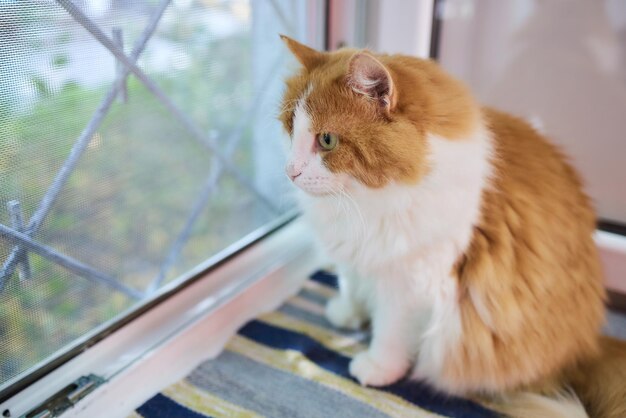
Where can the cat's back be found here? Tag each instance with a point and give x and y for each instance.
(531, 284)
(535, 172)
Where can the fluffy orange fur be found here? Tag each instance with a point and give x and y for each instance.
(601, 380)
(531, 288)
(377, 150)
(531, 285)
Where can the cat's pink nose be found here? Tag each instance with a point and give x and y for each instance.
(293, 170)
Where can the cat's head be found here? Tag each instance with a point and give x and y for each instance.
(359, 120)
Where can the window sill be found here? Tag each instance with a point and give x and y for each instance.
(166, 343)
(612, 248)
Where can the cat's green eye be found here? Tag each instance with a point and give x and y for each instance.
(327, 140)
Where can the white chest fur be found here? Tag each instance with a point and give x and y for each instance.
(402, 240)
(378, 230)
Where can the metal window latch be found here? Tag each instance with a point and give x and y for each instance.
(66, 398)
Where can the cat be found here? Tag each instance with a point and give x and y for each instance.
(460, 233)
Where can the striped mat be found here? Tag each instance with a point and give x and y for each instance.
(292, 363)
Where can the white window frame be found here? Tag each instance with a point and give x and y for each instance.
(192, 323)
(164, 344)
(360, 23)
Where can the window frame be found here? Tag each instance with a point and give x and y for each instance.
(45, 367)
(254, 279)
(43, 379)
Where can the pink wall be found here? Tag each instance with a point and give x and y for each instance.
(561, 64)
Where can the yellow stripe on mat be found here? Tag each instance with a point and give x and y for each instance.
(134, 414)
(343, 344)
(203, 402)
(306, 305)
(296, 363)
(320, 289)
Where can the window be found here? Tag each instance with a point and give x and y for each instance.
(138, 145)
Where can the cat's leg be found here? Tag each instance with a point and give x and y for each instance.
(347, 309)
(388, 357)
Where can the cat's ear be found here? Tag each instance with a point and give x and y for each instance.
(308, 57)
(369, 77)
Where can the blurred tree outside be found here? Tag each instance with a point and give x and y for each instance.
(131, 193)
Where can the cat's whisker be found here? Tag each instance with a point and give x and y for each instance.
(341, 203)
(363, 229)
(333, 195)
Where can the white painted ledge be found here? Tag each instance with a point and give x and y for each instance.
(613, 255)
(166, 343)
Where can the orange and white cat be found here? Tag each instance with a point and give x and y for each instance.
(460, 233)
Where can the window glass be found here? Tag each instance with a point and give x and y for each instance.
(137, 140)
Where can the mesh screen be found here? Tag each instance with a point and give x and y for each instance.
(98, 171)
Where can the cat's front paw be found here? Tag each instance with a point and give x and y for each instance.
(370, 372)
(342, 314)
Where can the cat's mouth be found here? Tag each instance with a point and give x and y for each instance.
(313, 187)
(315, 191)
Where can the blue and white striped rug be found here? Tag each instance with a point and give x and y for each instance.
(293, 363)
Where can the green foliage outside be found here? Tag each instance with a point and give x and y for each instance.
(130, 194)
